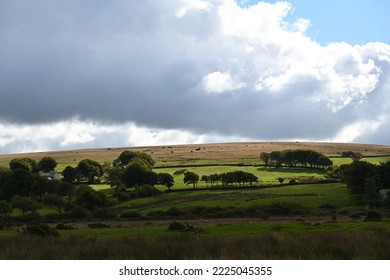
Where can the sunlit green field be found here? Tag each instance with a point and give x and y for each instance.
(311, 196)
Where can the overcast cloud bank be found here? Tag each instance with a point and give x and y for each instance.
(99, 74)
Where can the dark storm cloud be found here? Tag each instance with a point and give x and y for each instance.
(148, 63)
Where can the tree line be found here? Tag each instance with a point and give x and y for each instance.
(296, 158)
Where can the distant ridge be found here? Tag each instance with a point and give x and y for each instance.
(224, 152)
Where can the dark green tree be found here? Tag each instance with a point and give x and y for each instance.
(71, 174)
(5, 207)
(26, 164)
(47, 164)
(166, 179)
(90, 169)
(137, 174)
(355, 176)
(25, 204)
(17, 182)
(384, 174)
(89, 198)
(265, 157)
(206, 179)
(191, 178)
(355, 156)
(55, 201)
(126, 157)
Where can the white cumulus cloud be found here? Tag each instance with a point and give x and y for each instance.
(82, 73)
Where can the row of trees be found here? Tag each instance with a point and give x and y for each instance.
(46, 164)
(293, 158)
(28, 191)
(234, 178)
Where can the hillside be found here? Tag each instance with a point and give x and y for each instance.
(246, 152)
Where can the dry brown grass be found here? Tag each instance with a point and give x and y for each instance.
(203, 153)
(332, 245)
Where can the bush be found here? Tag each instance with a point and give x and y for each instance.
(64, 227)
(41, 230)
(6, 222)
(29, 218)
(79, 212)
(173, 211)
(134, 215)
(157, 214)
(176, 226)
(373, 216)
(292, 182)
(147, 191)
(286, 209)
(186, 228)
(124, 196)
(98, 225)
(179, 172)
(104, 213)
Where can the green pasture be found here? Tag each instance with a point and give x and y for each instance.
(310, 196)
(267, 176)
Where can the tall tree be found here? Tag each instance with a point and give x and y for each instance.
(71, 174)
(191, 178)
(90, 169)
(137, 174)
(355, 175)
(27, 164)
(47, 164)
(265, 157)
(166, 179)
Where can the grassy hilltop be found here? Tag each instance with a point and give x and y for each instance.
(167, 155)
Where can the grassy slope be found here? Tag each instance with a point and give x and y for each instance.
(202, 153)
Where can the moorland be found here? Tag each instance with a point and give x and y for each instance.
(255, 200)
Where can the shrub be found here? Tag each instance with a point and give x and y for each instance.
(147, 191)
(292, 182)
(327, 206)
(131, 215)
(98, 225)
(64, 227)
(29, 218)
(173, 211)
(79, 212)
(285, 209)
(41, 230)
(104, 213)
(373, 216)
(176, 226)
(124, 196)
(179, 172)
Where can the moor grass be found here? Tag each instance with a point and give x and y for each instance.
(217, 153)
(336, 245)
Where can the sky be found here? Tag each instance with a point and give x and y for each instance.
(84, 74)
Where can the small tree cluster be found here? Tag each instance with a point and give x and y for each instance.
(234, 178)
(294, 158)
(132, 169)
(46, 164)
(86, 170)
(366, 179)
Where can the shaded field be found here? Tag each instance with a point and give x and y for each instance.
(372, 243)
(219, 153)
(310, 196)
